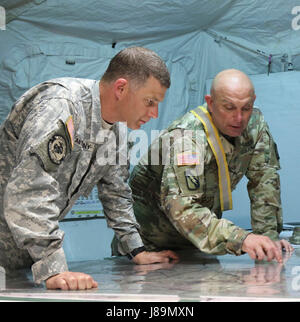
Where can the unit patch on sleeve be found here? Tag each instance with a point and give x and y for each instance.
(57, 149)
(192, 181)
(52, 149)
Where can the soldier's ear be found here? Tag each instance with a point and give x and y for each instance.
(120, 88)
(208, 100)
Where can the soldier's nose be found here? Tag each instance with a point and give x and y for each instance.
(154, 112)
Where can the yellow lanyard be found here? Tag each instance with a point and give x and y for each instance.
(215, 143)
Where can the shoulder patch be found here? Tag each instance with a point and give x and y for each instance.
(53, 148)
(57, 149)
(192, 181)
(188, 158)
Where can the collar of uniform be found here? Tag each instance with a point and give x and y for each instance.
(96, 119)
(227, 146)
(105, 125)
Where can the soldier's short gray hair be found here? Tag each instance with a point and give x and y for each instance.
(137, 64)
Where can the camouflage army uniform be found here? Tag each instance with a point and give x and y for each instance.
(54, 149)
(177, 204)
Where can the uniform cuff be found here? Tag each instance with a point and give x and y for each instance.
(129, 243)
(51, 265)
(136, 252)
(235, 241)
(272, 234)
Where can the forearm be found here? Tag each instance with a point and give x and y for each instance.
(32, 215)
(264, 186)
(115, 196)
(202, 227)
(266, 210)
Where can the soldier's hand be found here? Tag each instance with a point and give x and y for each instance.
(258, 247)
(155, 257)
(71, 281)
(285, 244)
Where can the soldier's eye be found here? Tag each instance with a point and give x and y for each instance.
(247, 108)
(149, 102)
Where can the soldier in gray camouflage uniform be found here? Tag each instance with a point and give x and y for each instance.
(56, 145)
(178, 205)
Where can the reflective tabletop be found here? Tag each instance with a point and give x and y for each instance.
(196, 277)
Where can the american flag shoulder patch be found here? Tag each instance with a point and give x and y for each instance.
(70, 127)
(188, 158)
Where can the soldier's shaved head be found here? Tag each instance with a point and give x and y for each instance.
(232, 80)
(231, 101)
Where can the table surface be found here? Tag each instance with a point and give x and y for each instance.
(196, 277)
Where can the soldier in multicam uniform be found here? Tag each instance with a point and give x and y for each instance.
(176, 193)
(54, 148)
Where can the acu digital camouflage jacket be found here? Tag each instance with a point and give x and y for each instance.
(54, 149)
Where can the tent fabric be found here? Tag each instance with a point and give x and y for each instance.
(45, 39)
(202, 37)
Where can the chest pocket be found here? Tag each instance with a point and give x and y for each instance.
(238, 167)
(211, 178)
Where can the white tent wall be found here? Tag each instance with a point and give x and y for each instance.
(45, 39)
